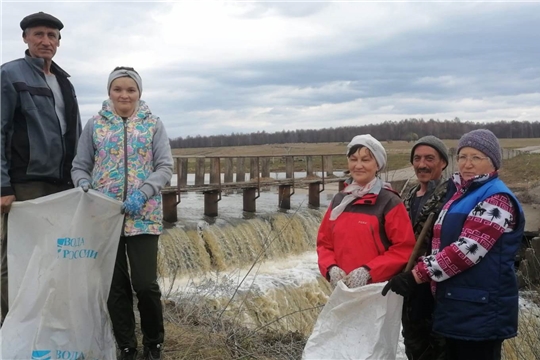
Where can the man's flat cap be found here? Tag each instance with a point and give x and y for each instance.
(41, 19)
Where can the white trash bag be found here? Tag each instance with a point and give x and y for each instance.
(61, 254)
(358, 324)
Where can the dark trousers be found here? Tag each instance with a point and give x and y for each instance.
(24, 191)
(141, 250)
(419, 340)
(473, 350)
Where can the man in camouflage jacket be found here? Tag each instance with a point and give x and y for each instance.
(429, 158)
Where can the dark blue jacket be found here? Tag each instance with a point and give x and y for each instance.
(480, 303)
(32, 145)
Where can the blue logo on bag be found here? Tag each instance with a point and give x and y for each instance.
(72, 248)
(41, 355)
(60, 354)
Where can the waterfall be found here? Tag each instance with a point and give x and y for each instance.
(267, 265)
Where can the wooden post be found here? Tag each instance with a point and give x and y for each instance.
(211, 203)
(329, 166)
(182, 168)
(215, 172)
(228, 164)
(284, 197)
(309, 165)
(249, 199)
(341, 185)
(169, 203)
(240, 172)
(253, 171)
(199, 171)
(265, 167)
(314, 194)
(289, 167)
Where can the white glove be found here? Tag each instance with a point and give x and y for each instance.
(357, 277)
(336, 274)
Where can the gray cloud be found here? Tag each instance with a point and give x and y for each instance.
(273, 66)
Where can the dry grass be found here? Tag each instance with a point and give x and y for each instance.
(522, 170)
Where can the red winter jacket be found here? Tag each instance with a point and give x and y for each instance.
(374, 231)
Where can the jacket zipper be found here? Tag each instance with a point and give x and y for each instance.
(125, 161)
(61, 169)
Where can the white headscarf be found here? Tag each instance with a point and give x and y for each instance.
(355, 191)
(373, 145)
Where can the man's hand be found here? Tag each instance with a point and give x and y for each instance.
(357, 278)
(6, 203)
(402, 284)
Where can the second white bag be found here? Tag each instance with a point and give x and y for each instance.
(358, 324)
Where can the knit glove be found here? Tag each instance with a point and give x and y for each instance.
(402, 284)
(134, 203)
(336, 274)
(85, 185)
(357, 278)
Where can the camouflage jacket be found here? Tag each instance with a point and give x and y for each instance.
(436, 198)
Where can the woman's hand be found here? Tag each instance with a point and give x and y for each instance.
(134, 203)
(357, 278)
(336, 273)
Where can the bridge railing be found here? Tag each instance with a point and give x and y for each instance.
(229, 172)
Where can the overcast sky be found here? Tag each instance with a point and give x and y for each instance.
(220, 67)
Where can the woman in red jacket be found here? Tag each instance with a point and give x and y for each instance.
(366, 235)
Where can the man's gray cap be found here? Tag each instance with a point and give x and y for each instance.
(433, 142)
(41, 19)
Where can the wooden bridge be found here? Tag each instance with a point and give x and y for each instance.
(233, 171)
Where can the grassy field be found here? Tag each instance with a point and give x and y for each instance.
(393, 147)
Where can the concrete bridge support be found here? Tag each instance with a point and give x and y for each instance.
(313, 196)
(171, 198)
(250, 205)
(284, 197)
(211, 199)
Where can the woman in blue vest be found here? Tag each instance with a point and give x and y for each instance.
(471, 266)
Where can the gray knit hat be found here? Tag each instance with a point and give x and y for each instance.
(125, 72)
(485, 141)
(433, 142)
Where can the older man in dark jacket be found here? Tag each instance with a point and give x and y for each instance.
(40, 124)
(429, 158)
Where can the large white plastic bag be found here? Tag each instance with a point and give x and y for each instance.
(61, 254)
(358, 324)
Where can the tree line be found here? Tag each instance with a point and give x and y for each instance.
(408, 129)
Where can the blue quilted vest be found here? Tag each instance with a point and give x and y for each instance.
(480, 303)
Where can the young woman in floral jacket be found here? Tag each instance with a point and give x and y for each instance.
(124, 152)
